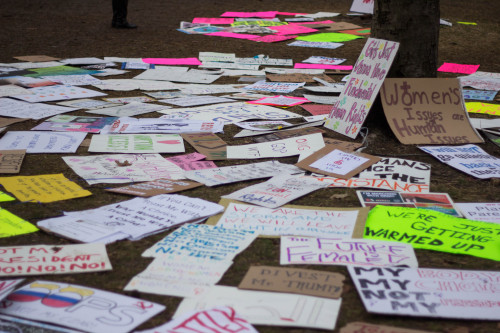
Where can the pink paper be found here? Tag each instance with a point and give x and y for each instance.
(172, 61)
(191, 162)
(232, 34)
(292, 29)
(458, 68)
(274, 38)
(317, 109)
(323, 66)
(213, 20)
(270, 14)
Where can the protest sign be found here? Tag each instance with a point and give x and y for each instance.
(129, 125)
(467, 158)
(42, 142)
(263, 125)
(65, 123)
(137, 143)
(457, 68)
(293, 280)
(280, 101)
(359, 327)
(6, 286)
(350, 111)
(43, 188)
(57, 93)
(222, 319)
(279, 308)
(12, 225)
(87, 103)
(428, 292)
(123, 168)
(277, 87)
(128, 110)
(298, 77)
(230, 112)
(292, 220)
(24, 325)
(395, 174)
(427, 111)
(53, 259)
(155, 187)
(235, 173)
(277, 191)
(429, 230)
(362, 6)
(73, 80)
(84, 308)
(196, 100)
(321, 45)
(439, 202)
(287, 132)
(485, 108)
(478, 211)
(19, 109)
(328, 37)
(482, 95)
(191, 162)
(11, 160)
(344, 251)
(208, 144)
(265, 60)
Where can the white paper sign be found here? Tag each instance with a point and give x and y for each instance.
(350, 111)
(57, 93)
(123, 168)
(196, 100)
(362, 6)
(289, 221)
(277, 191)
(84, 308)
(6, 286)
(129, 110)
(301, 145)
(132, 84)
(467, 158)
(324, 60)
(19, 109)
(162, 125)
(42, 141)
(342, 251)
(479, 211)
(277, 87)
(236, 173)
(268, 308)
(137, 143)
(73, 80)
(12, 89)
(428, 292)
(339, 162)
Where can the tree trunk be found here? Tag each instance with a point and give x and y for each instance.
(415, 25)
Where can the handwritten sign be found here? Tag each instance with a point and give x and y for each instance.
(208, 144)
(83, 308)
(292, 220)
(42, 142)
(277, 87)
(341, 251)
(428, 292)
(427, 111)
(137, 143)
(350, 111)
(6, 286)
(12, 225)
(11, 160)
(485, 108)
(53, 259)
(429, 230)
(478, 211)
(293, 280)
(155, 187)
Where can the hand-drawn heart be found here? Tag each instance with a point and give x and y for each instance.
(170, 142)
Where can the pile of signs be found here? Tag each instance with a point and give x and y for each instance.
(376, 242)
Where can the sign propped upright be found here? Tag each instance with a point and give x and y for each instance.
(351, 109)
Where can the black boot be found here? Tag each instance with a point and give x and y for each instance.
(120, 15)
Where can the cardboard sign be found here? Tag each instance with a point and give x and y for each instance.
(358, 327)
(427, 111)
(428, 292)
(429, 230)
(11, 160)
(332, 161)
(54, 259)
(350, 111)
(344, 251)
(155, 187)
(137, 143)
(208, 144)
(293, 280)
(83, 308)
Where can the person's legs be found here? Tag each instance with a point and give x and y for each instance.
(120, 15)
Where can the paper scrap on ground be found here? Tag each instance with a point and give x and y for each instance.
(467, 158)
(54, 259)
(288, 132)
(137, 143)
(429, 230)
(395, 174)
(421, 292)
(65, 123)
(324, 60)
(344, 251)
(350, 111)
(128, 125)
(277, 87)
(302, 145)
(155, 187)
(362, 6)
(221, 319)
(427, 111)
(11, 160)
(12, 225)
(57, 93)
(478, 211)
(486, 108)
(129, 110)
(123, 168)
(87, 103)
(321, 45)
(458, 68)
(6, 287)
(328, 37)
(236, 173)
(203, 241)
(277, 191)
(73, 80)
(65, 304)
(208, 144)
(196, 100)
(293, 220)
(279, 308)
(230, 113)
(293, 280)
(42, 142)
(439, 202)
(19, 109)
(481, 95)
(323, 66)
(43, 188)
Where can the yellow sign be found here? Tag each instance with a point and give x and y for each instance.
(487, 108)
(12, 225)
(43, 188)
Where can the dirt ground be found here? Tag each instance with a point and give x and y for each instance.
(82, 28)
